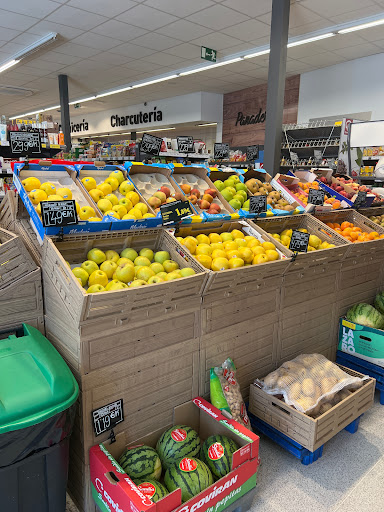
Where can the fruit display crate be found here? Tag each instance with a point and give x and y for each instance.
(15, 262)
(8, 210)
(374, 211)
(24, 230)
(309, 432)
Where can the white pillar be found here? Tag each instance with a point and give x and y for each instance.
(219, 132)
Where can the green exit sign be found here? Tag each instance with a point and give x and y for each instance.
(208, 54)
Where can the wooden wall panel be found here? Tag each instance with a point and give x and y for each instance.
(250, 101)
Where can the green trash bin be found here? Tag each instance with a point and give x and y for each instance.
(37, 409)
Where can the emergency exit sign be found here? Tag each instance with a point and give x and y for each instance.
(208, 54)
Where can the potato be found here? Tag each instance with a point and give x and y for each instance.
(309, 387)
(271, 379)
(294, 391)
(327, 384)
(305, 403)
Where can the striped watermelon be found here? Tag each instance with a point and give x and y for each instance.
(141, 462)
(177, 442)
(217, 453)
(379, 302)
(191, 475)
(153, 489)
(365, 314)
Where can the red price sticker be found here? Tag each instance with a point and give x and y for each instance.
(179, 435)
(215, 451)
(147, 488)
(188, 464)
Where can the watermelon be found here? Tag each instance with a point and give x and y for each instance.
(367, 315)
(191, 475)
(216, 453)
(177, 442)
(379, 302)
(141, 462)
(153, 489)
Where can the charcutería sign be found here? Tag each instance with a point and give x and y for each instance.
(140, 118)
(253, 119)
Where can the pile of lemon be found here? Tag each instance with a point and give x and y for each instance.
(222, 251)
(128, 207)
(314, 243)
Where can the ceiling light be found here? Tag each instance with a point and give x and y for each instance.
(82, 101)
(207, 124)
(52, 108)
(158, 130)
(32, 48)
(212, 66)
(361, 27)
(155, 81)
(252, 55)
(113, 92)
(310, 39)
(8, 65)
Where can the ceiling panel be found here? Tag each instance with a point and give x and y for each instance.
(250, 7)
(112, 7)
(146, 17)
(216, 40)
(248, 30)
(217, 17)
(156, 41)
(44, 27)
(362, 50)
(96, 41)
(184, 30)
(132, 50)
(76, 18)
(36, 8)
(117, 29)
(14, 21)
(334, 8)
(181, 8)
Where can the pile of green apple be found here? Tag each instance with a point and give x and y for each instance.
(110, 270)
(233, 191)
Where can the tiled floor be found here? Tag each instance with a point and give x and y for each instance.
(348, 478)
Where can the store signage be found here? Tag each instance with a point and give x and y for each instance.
(316, 197)
(107, 417)
(150, 144)
(252, 119)
(221, 151)
(28, 143)
(360, 199)
(252, 153)
(140, 118)
(58, 213)
(175, 211)
(299, 241)
(185, 144)
(208, 54)
(257, 204)
(79, 127)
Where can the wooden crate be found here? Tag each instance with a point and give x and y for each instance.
(24, 230)
(8, 208)
(15, 262)
(311, 433)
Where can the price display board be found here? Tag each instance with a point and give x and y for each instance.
(299, 241)
(185, 144)
(25, 143)
(360, 199)
(257, 204)
(107, 417)
(221, 151)
(252, 153)
(58, 213)
(150, 144)
(175, 211)
(316, 197)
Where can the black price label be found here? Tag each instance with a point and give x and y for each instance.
(316, 197)
(150, 144)
(28, 143)
(107, 417)
(257, 204)
(360, 200)
(58, 213)
(299, 241)
(185, 144)
(175, 211)
(252, 153)
(221, 151)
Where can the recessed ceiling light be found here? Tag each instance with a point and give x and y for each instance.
(361, 27)
(207, 124)
(310, 39)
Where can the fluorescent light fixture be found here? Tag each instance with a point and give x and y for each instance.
(34, 47)
(9, 64)
(311, 39)
(207, 124)
(155, 81)
(82, 100)
(117, 91)
(212, 66)
(361, 27)
(257, 54)
(158, 130)
(52, 108)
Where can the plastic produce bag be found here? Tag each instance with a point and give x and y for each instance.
(310, 383)
(225, 392)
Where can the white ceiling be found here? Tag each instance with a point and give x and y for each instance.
(107, 43)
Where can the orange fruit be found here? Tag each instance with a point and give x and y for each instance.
(345, 225)
(330, 225)
(347, 231)
(354, 235)
(336, 205)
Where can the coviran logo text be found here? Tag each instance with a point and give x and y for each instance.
(253, 119)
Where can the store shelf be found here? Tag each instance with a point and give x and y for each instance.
(176, 154)
(46, 152)
(372, 157)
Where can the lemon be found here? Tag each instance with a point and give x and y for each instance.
(233, 254)
(285, 240)
(218, 253)
(235, 263)
(214, 238)
(204, 260)
(258, 250)
(225, 237)
(253, 243)
(260, 258)
(31, 183)
(268, 246)
(190, 244)
(241, 242)
(204, 249)
(286, 232)
(236, 233)
(272, 255)
(219, 264)
(230, 246)
(203, 239)
(246, 254)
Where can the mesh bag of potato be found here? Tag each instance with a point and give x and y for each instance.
(310, 383)
(225, 392)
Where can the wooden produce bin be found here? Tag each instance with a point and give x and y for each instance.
(8, 208)
(15, 261)
(309, 432)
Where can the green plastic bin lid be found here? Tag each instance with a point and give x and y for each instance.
(35, 382)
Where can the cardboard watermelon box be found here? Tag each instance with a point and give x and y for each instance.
(112, 489)
(360, 341)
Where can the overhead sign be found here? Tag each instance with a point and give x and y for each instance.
(299, 241)
(107, 417)
(150, 144)
(252, 153)
(175, 211)
(257, 204)
(221, 151)
(208, 54)
(58, 213)
(316, 197)
(25, 143)
(185, 144)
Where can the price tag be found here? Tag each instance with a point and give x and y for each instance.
(257, 204)
(221, 151)
(316, 197)
(175, 211)
(150, 144)
(58, 213)
(299, 241)
(360, 199)
(185, 144)
(28, 143)
(252, 153)
(107, 417)
(294, 158)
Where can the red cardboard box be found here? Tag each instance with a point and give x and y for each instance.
(112, 489)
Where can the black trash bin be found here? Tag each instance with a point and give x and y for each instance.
(37, 408)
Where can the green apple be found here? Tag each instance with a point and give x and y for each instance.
(96, 288)
(142, 261)
(145, 273)
(125, 187)
(112, 256)
(147, 253)
(170, 266)
(161, 256)
(235, 203)
(229, 182)
(157, 267)
(131, 254)
(82, 274)
(235, 178)
(112, 198)
(187, 271)
(219, 185)
(241, 186)
(124, 273)
(163, 275)
(137, 282)
(108, 267)
(118, 175)
(227, 194)
(115, 284)
(96, 255)
(155, 280)
(127, 203)
(89, 266)
(173, 275)
(242, 193)
(98, 277)
(239, 198)
(120, 261)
